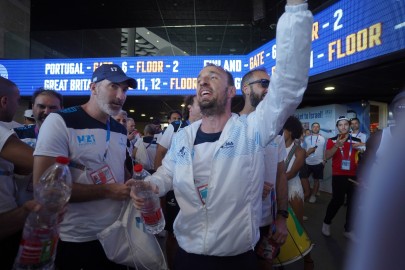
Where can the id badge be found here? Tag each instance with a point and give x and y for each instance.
(203, 191)
(346, 164)
(102, 176)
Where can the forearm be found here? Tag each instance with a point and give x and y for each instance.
(84, 193)
(282, 190)
(331, 152)
(160, 154)
(18, 153)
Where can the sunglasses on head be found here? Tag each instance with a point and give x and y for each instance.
(263, 82)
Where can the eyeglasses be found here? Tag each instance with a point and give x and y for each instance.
(263, 82)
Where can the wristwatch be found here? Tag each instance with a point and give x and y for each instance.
(283, 213)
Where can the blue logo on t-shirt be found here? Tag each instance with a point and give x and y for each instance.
(86, 139)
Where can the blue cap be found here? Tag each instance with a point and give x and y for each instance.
(113, 73)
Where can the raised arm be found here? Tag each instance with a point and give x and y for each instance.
(289, 81)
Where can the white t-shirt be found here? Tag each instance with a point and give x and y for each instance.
(166, 139)
(73, 133)
(7, 186)
(363, 138)
(318, 156)
(274, 153)
(151, 146)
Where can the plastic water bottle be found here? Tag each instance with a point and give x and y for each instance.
(55, 186)
(41, 230)
(151, 212)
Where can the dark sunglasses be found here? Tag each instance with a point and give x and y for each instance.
(263, 82)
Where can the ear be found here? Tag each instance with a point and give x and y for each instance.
(93, 88)
(246, 90)
(3, 101)
(231, 91)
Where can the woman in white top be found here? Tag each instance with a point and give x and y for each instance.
(293, 162)
(295, 159)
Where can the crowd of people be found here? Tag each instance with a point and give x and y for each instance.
(227, 179)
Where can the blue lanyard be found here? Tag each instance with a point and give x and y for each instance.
(107, 139)
(350, 151)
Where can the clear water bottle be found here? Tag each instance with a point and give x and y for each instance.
(39, 240)
(55, 186)
(151, 212)
(41, 230)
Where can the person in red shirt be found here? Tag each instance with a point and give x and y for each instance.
(344, 165)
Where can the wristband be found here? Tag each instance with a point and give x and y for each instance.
(283, 213)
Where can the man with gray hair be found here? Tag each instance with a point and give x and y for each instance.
(96, 145)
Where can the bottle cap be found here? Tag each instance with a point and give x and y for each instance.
(62, 160)
(138, 167)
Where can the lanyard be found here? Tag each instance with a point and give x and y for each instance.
(317, 137)
(358, 133)
(36, 130)
(107, 139)
(350, 151)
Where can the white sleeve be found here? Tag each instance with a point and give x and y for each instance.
(53, 137)
(140, 140)
(166, 139)
(289, 81)
(282, 152)
(5, 133)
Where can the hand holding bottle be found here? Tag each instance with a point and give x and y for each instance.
(145, 198)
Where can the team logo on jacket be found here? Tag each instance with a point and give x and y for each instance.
(227, 145)
(182, 151)
(86, 139)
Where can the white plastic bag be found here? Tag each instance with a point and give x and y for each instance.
(142, 156)
(126, 242)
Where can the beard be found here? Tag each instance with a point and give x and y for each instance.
(255, 99)
(105, 106)
(213, 107)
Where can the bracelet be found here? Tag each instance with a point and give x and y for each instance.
(283, 213)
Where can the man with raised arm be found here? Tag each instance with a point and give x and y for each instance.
(216, 165)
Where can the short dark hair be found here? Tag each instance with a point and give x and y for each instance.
(315, 123)
(248, 76)
(149, 129)
(293, 124)
(188, 101)
(172, 112)
(354, 118)
(47, 92)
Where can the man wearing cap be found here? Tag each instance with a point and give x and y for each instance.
(96, 146)
(344, 165)
(29, 118)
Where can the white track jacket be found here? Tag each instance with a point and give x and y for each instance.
(228, 224)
